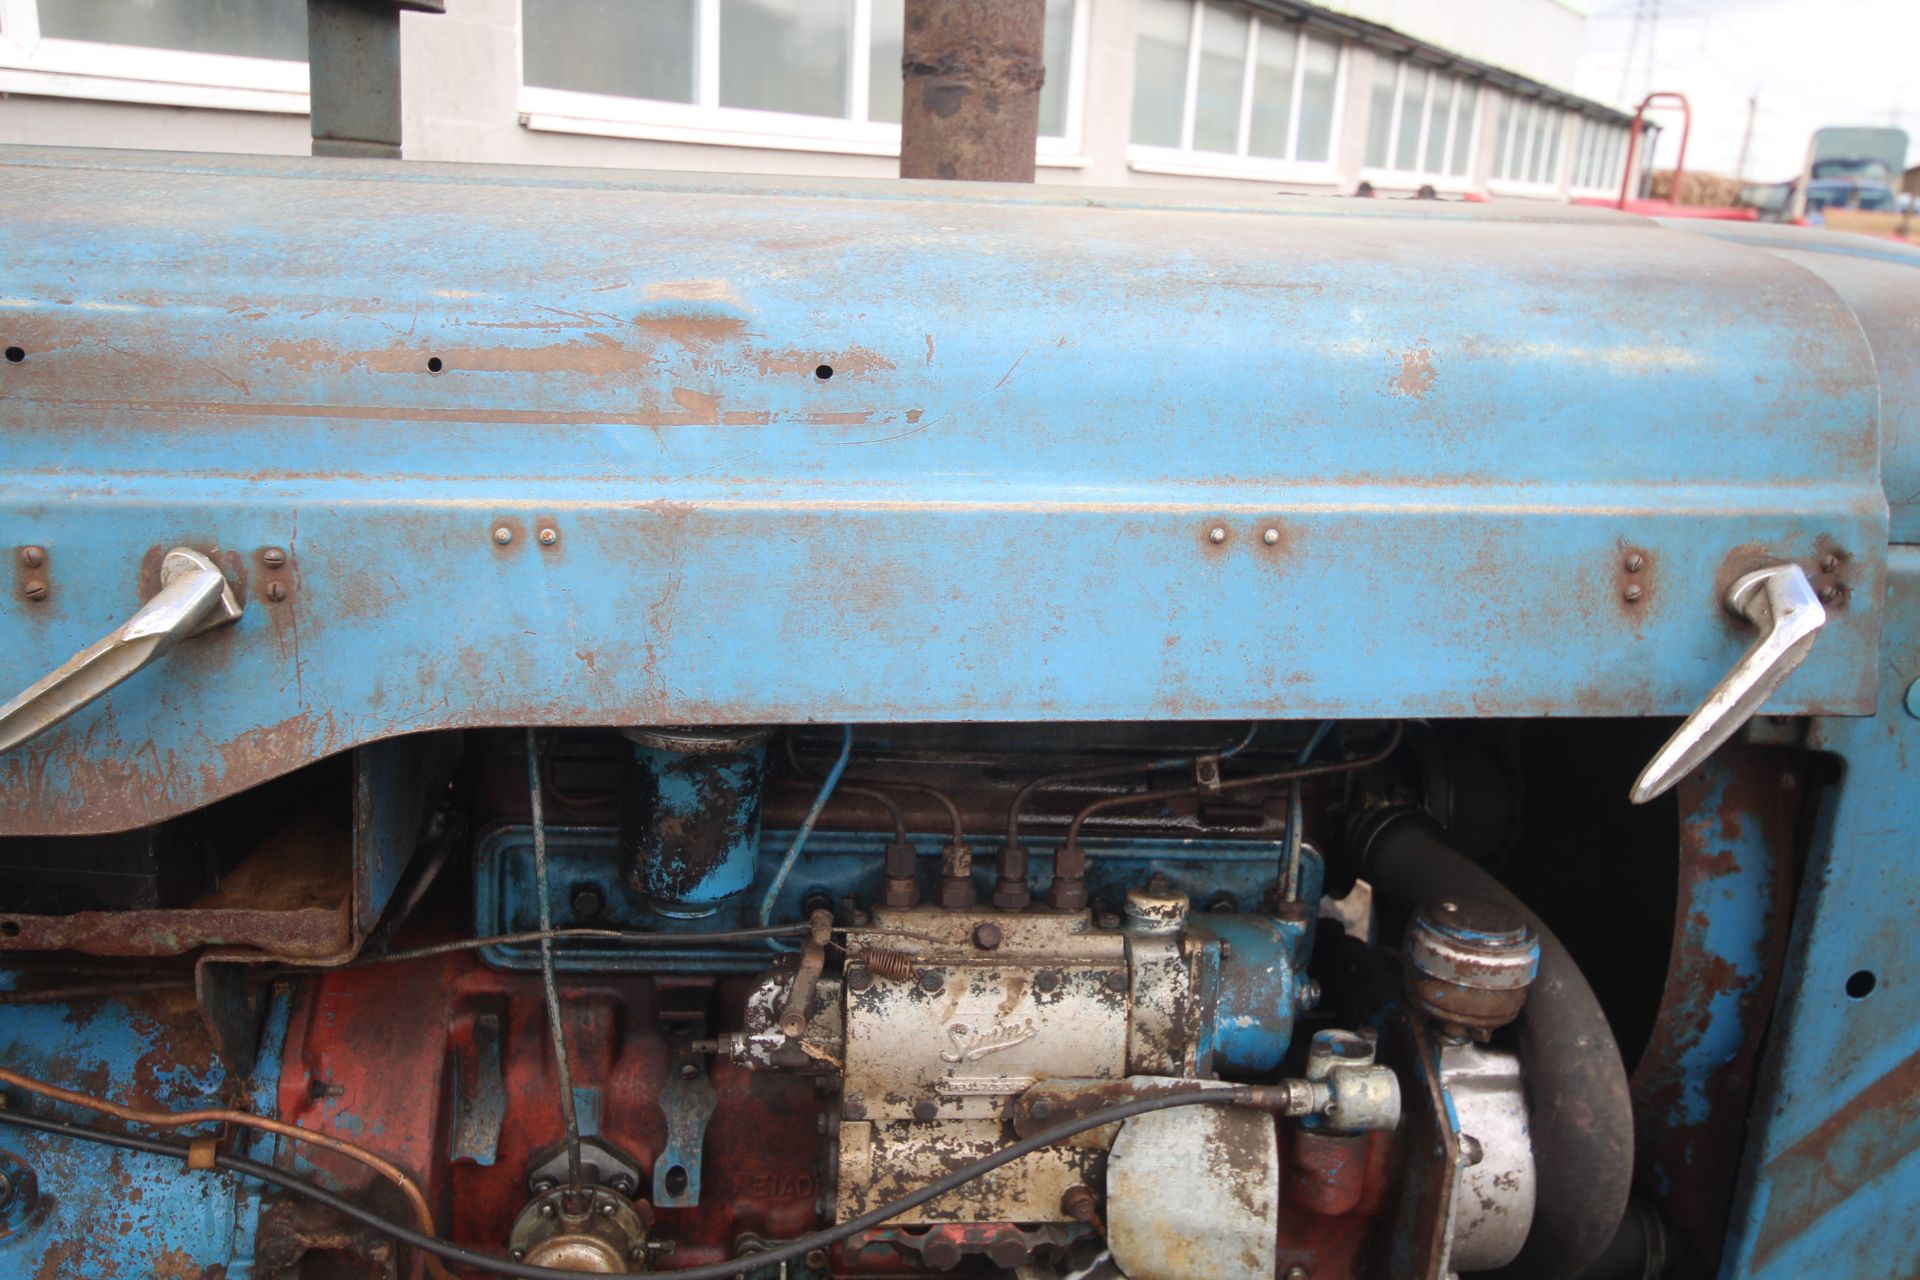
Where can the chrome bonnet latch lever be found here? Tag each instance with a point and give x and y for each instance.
(1781, 603)
(194, 596)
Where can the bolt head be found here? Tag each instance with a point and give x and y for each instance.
(623, 1184)
(33, 557)
(1046, 980)
(35, 590)
(926, 1111)
(816, 1258)
(1116, 981)
(1829, 563)
(273, 557)
(549, 536)
(503, 535)
(608, 1208)
(543, 1186)
(986, 935)
(1270, 537)
(688, 1071)
(276, 591)
(1217, 534)
(519, 1255)
(1636, 562)
(1041, 1110)
(859, 979)
(1632, 593)
(931, 981)
(547, 1211)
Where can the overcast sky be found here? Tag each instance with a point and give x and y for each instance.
(1810, 63)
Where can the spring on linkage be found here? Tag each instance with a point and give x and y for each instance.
(894, 966)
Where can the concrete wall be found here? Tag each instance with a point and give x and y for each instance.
(462, 102)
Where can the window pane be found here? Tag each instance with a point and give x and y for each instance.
(1437, 117)
(1464, 120)
(1538, 144)
(629, 48)
(1223, 59)
(883, 68)
(1502, 136)
(1380, 111)
(784, 55)
(248, 28)
(1057, 54)
(1413, 101)
(1272, 91)
(1160, 71)
(1556, 125)
(1316, 100)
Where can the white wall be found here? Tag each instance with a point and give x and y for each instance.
(1539, 39)
(462, 102)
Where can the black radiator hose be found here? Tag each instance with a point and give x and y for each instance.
(1582, 1118)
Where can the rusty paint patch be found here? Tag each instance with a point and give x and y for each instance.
(1869, 1134)
(1417, 374)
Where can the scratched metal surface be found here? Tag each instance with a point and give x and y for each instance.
(1457, 422)
(1832, 1179)
(1876, 278)
(103, 1214)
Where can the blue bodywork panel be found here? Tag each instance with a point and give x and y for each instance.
(851, 452)
(95, 1211)
(1832, 1180)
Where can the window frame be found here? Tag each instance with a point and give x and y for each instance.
(704, 121)
(97, 70)
(1187, 161)
(1392, 178)
(1612, 137)
(1555, 184)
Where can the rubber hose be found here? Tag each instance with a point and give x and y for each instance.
(1582, 1118)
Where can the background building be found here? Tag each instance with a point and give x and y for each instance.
(1465, 96)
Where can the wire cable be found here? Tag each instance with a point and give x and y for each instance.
(245, 1119)
(806, 826)
(563, 1070)
(785, 1252)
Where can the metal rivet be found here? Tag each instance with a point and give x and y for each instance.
(1270, 537)
(547, 1211)
(689, 1072)
(1913, 699)
(931, 981)
(1046, 980)
(986, 935)
(859, 979)
(35, 590)
(276, 591)
(503, 535)
(926, 1111)
(273, 557)
(33, 557)
(1041, 1109)
(817, 1259)
(1217, 534)
(549, 536)
(608, 1208)
(1632, 593)
(1116, 981)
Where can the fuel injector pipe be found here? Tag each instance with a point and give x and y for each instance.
(1582, 1118)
